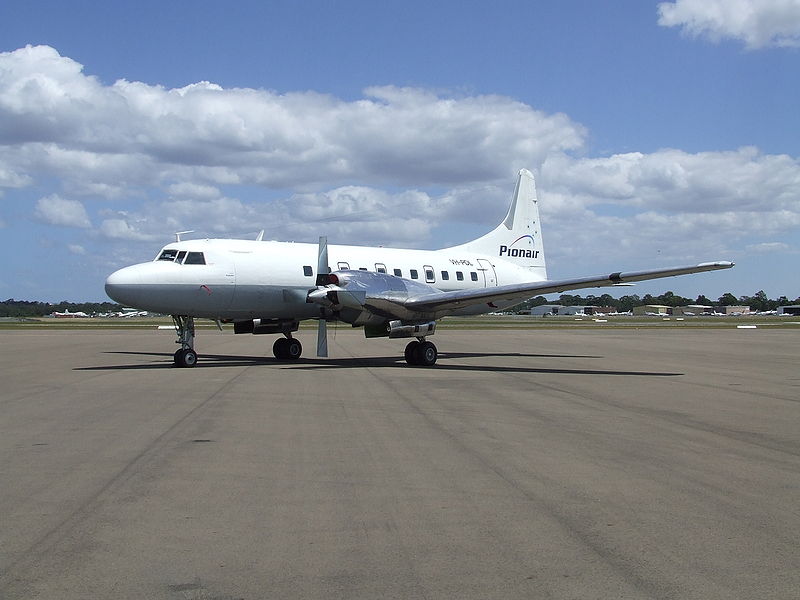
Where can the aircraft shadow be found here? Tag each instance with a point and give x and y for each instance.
(442, 365)
(221, 360)
(207, 360)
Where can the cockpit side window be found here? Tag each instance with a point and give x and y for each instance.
(195, 258)
(181, 254)
(168, 254)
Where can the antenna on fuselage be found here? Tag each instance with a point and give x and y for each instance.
(178, 234)
(260, 236)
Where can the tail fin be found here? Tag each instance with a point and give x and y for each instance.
(518, 238)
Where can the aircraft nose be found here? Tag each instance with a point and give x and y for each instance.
(121, 285)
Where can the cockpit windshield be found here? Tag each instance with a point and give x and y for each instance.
(168, 254)
(182, 257)
(195, 258)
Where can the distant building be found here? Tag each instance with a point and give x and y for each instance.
(546, 310)
(586, 310)
(651, 309)
(577, 310)
(734, 310)
(794, 309)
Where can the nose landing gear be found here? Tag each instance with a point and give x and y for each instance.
(185, 356)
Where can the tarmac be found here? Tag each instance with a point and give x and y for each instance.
(605, 463)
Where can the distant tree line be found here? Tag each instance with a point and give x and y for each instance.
(759, 301)
(25, 308)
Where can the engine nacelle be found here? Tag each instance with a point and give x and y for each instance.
(398, 329)
(264, 326)
(371, 299)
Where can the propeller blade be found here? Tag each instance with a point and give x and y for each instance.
(322, 257)
(322, 338)
(322, 269)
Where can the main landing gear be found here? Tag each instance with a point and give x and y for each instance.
(421, 353)
(185, 356)
(287, 348)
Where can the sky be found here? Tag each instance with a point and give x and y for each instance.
(660, 133)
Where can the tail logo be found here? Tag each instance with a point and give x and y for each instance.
(522, 237)
(519, 252)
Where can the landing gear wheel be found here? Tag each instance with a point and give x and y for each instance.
(279, 348)
(426, 354)
(422, 354)
(293, 349)
(410, 352)
(287, 349)
(185, 357)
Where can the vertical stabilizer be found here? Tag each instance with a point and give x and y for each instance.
(518, 238)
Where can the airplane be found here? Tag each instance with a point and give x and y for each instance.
(268, 287)
(70, 315)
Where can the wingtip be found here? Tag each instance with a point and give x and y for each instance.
(718, 264)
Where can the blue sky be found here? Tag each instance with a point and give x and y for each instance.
(660, 133)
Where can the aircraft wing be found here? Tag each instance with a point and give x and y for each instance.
(446, 301)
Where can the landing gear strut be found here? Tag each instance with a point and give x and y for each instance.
(421, 353)
(287, 348)
(185, 356)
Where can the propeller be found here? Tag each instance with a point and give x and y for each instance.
(322, 268)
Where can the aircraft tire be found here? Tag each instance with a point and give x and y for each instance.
(411, 352)
(279, 348)
(186, 358)
(293, 349)
(426, 354)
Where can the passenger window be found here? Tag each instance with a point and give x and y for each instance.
(459, 276)
(362, 268)
(308, 271)
(343, 266)
(168, 254)
(473, 275)
(414, 274)
(398, 273)
(380, 268)
(445, 276)
(430, 276)
(195, 258)
(181, 254)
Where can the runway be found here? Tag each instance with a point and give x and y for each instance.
(525, 464)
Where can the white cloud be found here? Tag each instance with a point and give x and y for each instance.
(193, 190)
(768, 247)
(76, 249)
(12, 179)
(758, 23)
(121, 229)
(670, 202)
(690, 205)
(369, 215)
(56, 210)
(675, 180)
(107, 139)
(169, 160)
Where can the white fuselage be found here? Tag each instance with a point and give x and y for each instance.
(244, 279)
